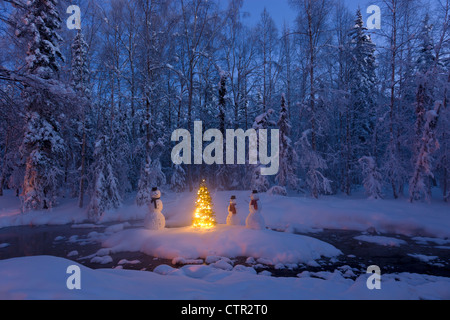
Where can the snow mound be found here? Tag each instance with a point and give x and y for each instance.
(383, 241)
(224, 241)
(422, 257)
(102, 260)
(73, 253)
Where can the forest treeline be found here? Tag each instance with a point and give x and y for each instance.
(89, 113)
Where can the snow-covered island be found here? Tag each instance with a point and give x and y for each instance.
(197, 150)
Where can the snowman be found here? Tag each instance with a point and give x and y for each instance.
(155, 220)
(233, 219)
(255, 220)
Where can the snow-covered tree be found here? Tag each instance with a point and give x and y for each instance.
(145, 185)
(362, 81)
(423, 170)
(39, 28)
(222, 100)
(424, 78)
(373, 180)
(427, 56)
(80, 66)
(42, 143)
(178, 179)
(313, 164)
(105, 194)
(359, 115)
(258, 181)
(151, 176)
(277, 190)
(80, 83)
(287, 176)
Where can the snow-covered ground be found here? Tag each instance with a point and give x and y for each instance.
(45, 278)
(383, 241)
(301, 214)
(212, 271)
(224, 241)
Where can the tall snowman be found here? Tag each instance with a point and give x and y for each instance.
(233, 218)
(255, 220)
(155, 220)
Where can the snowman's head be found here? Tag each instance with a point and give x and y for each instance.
(254, 195)
(156, 194)
(233, 200)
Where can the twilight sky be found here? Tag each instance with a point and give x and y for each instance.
(281, 11)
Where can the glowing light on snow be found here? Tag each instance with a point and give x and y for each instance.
(204, 217)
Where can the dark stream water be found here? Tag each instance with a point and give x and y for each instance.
(357, 256)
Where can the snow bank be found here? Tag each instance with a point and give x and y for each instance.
(290, 214)
(224, 241)
(347, 213)
(45, 278)
(383, 241)
(303, 214)
(423, 258)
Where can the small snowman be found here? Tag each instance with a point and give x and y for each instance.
(233, 219)
(155, 220)
(255, 220)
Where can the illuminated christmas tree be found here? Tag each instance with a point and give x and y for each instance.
(204, 216)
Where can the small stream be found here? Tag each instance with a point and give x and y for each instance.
(59, 241)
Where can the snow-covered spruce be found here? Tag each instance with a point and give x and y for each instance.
(373, 181)
(105, 193)
(287, 176)
(313, 164)
(151, 176)
(43, 146)
(418, 186)
(41, 22)
(178, 179)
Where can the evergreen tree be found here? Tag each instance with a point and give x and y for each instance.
(42, 144)
(80, 83)
(80, 67)
(143, 197)
(423, 170)
(360, 116)
(288, 156)
(105, 193)
(40, 26)
(313, 164)
(372, 177)
(204, 216)
(151, 176)
(258, 181)
(222, 100)
(424, 79)
(178, 180)
(427, 57)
